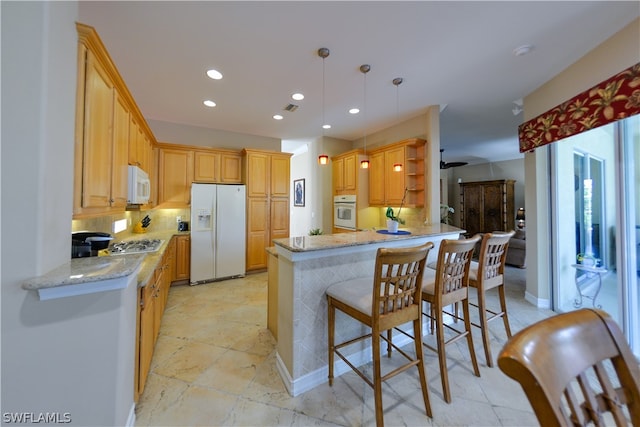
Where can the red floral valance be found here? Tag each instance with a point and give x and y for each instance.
(614, 99)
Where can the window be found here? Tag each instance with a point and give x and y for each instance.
(596, 217)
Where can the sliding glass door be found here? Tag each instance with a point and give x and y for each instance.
(596, 232)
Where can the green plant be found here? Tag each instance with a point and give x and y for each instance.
(389, 214)
(393, 217)
(315, 232)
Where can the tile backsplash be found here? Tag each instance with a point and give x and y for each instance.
(161, 220)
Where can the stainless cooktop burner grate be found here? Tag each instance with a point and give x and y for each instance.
(135, 246)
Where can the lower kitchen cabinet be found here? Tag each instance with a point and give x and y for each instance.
(183, 259)
(152, 302)
(147, 333)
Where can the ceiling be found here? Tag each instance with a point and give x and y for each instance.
(458, 55)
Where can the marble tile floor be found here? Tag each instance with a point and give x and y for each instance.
(214, 365)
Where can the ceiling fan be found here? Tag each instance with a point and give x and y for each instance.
(444, 165)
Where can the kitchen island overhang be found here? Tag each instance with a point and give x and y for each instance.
(307, 266)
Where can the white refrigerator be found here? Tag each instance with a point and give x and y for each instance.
(218, 228)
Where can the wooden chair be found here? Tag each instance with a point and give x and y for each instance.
(390, 299)
(488, 273)
(576, 368)
(448, 285)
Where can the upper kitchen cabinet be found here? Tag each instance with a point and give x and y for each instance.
(387, 187)
(267, 173)
(206, 166)
(217, 166)
(345, 173)
(175, 177)
(140, 147)
(105, 113)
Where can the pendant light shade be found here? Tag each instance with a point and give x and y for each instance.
(323, 159)
(397, 167)
(364, 69)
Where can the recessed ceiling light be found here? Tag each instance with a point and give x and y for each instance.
(326, 126)
(522, 50)
(209, 103)
(214, 74)
(278, 117)
(354, 111)
(297, 96)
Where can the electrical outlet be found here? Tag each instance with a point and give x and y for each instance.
(178, 218)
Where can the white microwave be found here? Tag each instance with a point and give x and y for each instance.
(139, 186)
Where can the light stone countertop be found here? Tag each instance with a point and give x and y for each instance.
(85, 270)
(80, 271)
(357, 238)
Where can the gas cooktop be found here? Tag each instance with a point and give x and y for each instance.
(135, 246)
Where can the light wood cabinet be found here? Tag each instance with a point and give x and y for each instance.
(217, 167)
(100, 182)
(487, 206)
(181, 165)
(279, 177)
(230, 168)
(345, 172)
(147, 332)
(175, 178)
(258, 168)
(257, 232)
(153, 299)
(386, 186)
(183, 258)
(107, 125)
(206, 166)
(268, 180)
(120, 148)
(140, 147)
(97, 141)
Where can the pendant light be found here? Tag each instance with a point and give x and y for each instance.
(397, 167)
(323, 159)
(364, 69)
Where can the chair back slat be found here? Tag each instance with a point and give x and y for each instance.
(576, 369)
(454, 257)
(493, 253)
(398, 278)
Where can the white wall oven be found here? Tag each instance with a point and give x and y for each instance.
(344, 212)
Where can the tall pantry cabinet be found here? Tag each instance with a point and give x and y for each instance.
(266, 175)
(487, 206)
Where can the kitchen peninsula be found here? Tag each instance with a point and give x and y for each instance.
(307, 266)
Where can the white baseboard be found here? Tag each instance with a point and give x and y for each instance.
(131, 419)
(320, 376)
(538, 302)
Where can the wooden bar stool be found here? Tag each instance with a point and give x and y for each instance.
(576, 369)
(448, 285)
(488, 273)
(390, 299)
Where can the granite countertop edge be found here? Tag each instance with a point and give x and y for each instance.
(357, 238)
(80, 271)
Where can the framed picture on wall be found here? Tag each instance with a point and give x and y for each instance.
(298, 192)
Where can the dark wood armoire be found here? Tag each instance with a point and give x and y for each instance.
(487, 206)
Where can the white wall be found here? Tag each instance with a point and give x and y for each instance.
(39, 373)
